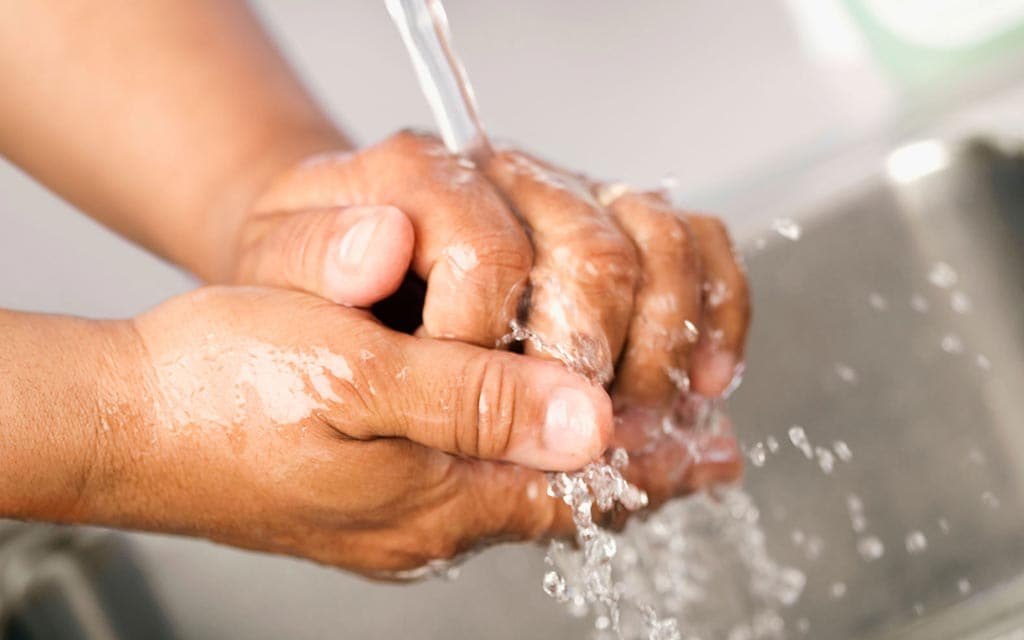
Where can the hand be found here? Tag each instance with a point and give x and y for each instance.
(278, 421)
(617, 275)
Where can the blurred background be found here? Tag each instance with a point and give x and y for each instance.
(756, 110)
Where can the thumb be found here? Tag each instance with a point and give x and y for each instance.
(354, 256)
(494, 405)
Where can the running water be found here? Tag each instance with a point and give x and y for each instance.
(696, 568)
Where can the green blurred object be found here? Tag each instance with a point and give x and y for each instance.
(923, 44)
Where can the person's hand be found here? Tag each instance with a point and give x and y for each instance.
(276, 420)
(614, 275)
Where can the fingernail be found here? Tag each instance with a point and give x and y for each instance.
(570, 424)
(356, 242)
(721, 371)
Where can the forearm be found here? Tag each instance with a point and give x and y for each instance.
(162, 119)
(69, 401)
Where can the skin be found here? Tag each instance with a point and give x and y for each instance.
(180, 126)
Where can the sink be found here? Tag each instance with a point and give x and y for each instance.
(852, 341)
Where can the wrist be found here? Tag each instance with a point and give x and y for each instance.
(66, 407)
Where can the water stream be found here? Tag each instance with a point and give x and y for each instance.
(696, 568)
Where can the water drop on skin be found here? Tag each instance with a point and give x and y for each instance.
(963, 586)
(919, 303)
(983, 362)
(877, 301)
(772, 443)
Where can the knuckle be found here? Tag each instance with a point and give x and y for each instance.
(608, 259)
(503, 248)
(411, 141)
(491, 409)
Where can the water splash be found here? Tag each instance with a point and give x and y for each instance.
(698, 565)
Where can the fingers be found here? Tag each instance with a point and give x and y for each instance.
(468, 246)
(481, 403)
(719, 355)
(667, 310)
(585, 269)
(354, 256)
(471, 250)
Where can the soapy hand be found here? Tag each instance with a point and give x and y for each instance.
(279, 421)
(617, 276)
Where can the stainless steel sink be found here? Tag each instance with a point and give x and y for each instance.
(931, 404)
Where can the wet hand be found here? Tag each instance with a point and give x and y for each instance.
(617, 276)
(276, 420)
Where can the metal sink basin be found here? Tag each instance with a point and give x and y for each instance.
(862, 337)
(854, 342)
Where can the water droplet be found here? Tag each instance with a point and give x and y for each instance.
(877, 301)
(787, 228)
(983, 362)
(960, 303)
(813, 547)
(842, 450)
(772, 443)
(990, 500)
(952, 344)
(619, 458)
(791, 585)
(846, 373)
(803, 625)
(870, 548)
(837, 590)
(943, 525)
(679, 378)
(919, 303)
(554, 585)
(826, 460)
(916, 542)
(798, 437)
(963, 586)
(855, 508)
(757, 455)
(918, 608)
(601, 623)
(942, 275)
